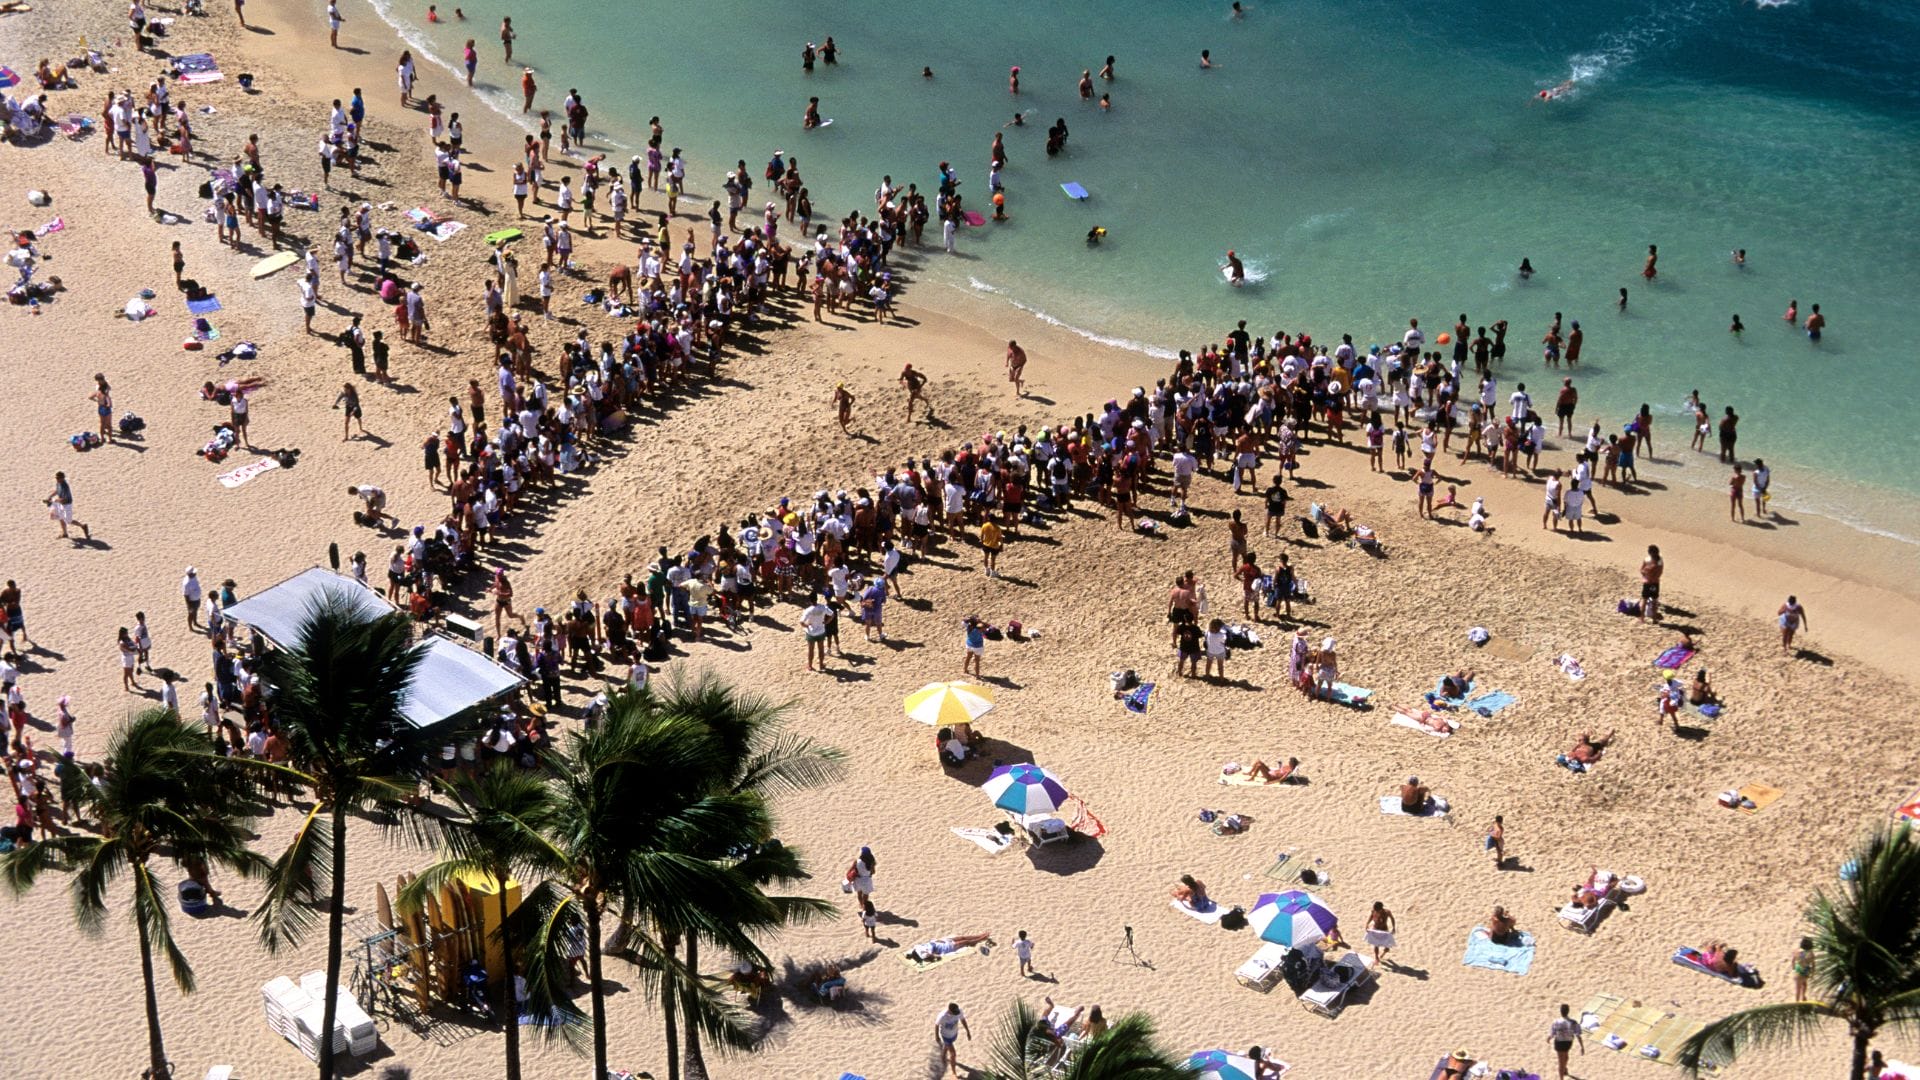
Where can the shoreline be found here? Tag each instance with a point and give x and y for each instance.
(765, 429)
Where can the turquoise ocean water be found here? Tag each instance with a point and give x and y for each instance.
(1369, 160)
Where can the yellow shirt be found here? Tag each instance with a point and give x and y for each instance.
(990, 536)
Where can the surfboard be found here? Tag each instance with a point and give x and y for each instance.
(974, 217)
(827, 123)
(1227, 272)
(274, 263)
(1074, 191)
(501, 236)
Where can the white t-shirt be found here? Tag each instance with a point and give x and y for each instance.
(948, 1023)
(814, 619)
(1023, 948)
(1521, 403)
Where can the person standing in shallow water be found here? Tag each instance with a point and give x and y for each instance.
(1653, 256)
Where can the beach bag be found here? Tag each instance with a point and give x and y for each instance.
(1309, 529)
(1628, 607)
(1234, 919)
(130, 423)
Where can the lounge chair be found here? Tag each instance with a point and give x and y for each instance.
(1328, 995)
(1262, 969)
(1047, 830)
(1587, 919)
(1695, 960)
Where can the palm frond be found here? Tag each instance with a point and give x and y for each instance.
(1724, 1040)
(23, 866)
(790, 763)
(1128, 1050)
(301, 873)
(150, 907)
(94, 877)
(1014, 1051)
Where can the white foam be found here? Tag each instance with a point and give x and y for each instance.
(1128, 344)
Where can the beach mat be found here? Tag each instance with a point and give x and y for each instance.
(1287, 868)
(1674, 658)
(248, 471)
(906, 958)
(1484, 952)
(205, 306)
(1762, 795)
(1241, 779)
(1492, 701)
(1390, 805)
(1354, 697)
(1136, 699)
(1210, 916)
(988, 840)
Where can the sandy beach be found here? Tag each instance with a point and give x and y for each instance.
(1824, 726)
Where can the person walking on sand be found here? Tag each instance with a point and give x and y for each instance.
(1497, 841)
(1379, 933)
(1650, 570)
(1016, 368)
(947, 1027)
(60, 507)
(1793, 619)
(915, 384)
(843, 407)
(1563, 1033)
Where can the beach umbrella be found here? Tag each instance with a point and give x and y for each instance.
(1291, 918)
(943, 703)
(1025, 789)
(1221, 1065)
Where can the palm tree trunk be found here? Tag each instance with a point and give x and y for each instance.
(1857, 1069)
(336, 926)
(157, 1067)
(696, 1066)
(513, 1003)
(593, 991)
(670, 945)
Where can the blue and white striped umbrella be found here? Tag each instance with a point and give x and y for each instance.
(1025, 789)
(1291, 918)
(1221, 1065)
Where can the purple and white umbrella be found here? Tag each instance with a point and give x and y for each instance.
(1025, 789)
(1291, 918)
(1221, 1065)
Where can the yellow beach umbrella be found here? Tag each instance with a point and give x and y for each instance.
(943, 703)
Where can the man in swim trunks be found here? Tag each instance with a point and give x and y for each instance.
(1650, 570)
(1016, 368)
(915, 384)
(947, 1026)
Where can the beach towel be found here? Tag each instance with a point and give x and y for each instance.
(1695, 960)
(447, 230)
(1761, 795)
(1210, 916)
(1410, 718)
(988, 840)
(58, 224)
(1484, 952)
(8, 77)
(198, 77)
(206, 306)
(1239, 778)
(193, 62)
(1350, 696)
(958, 954)
(248, 471)
(1290, 866)
(1909, 810)
(1436, 807)
(1136, 699)
(1456, 702)
(1492, 702)
(1570, 666)
(1674, 658)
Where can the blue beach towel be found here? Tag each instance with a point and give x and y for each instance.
(1453, 702)
(204, 307)
(1483, 952)
(1492, 702)
(1353, 696)
(1136, 699)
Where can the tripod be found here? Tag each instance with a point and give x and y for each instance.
(1126, 946)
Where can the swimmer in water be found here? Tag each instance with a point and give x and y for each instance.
(1238, 12)
(1623, 299)
(1793, 311)
(1019, 120)
(1740, 257)
(1206, 58)
(1236, 271)
(1526, 268)
(1106, 71)
(1094, 234)
(1557, 92)
(1086, 84)
(1106, 102)
(1736, 327)
(926, 73)
(1653, 256)
(812, 118)
(1816, 322)
(433, 13)
(1013, 80)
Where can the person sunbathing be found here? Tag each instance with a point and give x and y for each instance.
(1260, 771)
(827, 983)
(1587, 749)
(1701, 692)
(1193, 893)
(1589, 893)
(1455, 685)
(1055, 1033)
(1415, 798)
(1500, 925)
(929, 951)
(1718, 956)
(1432, 721)
(51, 77)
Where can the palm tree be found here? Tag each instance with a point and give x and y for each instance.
(1866, 946)
(761, 760)
(628, 807)
(495, 828)
(1127, 1050)
(159, 800)
(338, 688)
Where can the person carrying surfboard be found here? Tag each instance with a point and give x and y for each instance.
(1236, 271)
(812, 118)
